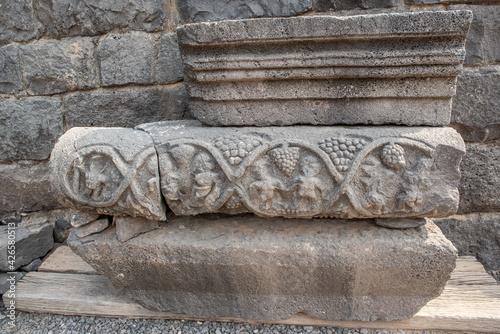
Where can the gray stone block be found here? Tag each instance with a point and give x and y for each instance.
(29, 127)
(26, 187)
(307, 171)
(16, 21)
(396, 68)
(108, 170)
(58, 66)
(32, 266)
(431, 2)
(90, 17)
(480, 183)
(483, 40)
(169, 64)
(81, 218)
(126, 107)
(125, 59)
(92, 228)
(130, 227)
(476, 234)
(364, 4)
(10, 75)
(255, 268)
(476, 107)
(32, 242)
(7, 281)
(214, 10)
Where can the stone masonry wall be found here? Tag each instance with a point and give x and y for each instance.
(66, 63)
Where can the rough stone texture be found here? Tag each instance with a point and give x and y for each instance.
(51, 216)
(476, 107)
(16, 21)
(130, 227)
(125, 107)
(92, 228)
(32, 242)
(480, 184)
(25, 186)
(81, 218)
(365, 4)
(483, 41)
(10, 78)
(62, 228)
(58, 66)
(125, 59)
(354, 172)
(91, 17)
(254, 268)
(109, 170)
(6, 280)
(32, 266)
(401, 222)
(430, 2)
(29, 127)
(396, 68)
(169, 64)
(476, 234)
(214, 10)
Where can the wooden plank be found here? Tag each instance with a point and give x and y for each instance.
(470, 272)
(63, 260)
(461, 307)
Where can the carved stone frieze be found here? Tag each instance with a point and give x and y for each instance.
(347, 172)
(109, 170)
(390, 68)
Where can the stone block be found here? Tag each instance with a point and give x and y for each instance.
(476, 234)
(255, 268)
(364, 4)
(107, 170)
(26, 187)
(32, 266)
(307, 171)
(62, 228)
(483, 40)
(125, 59)
(7, 280)
(89, 17)
(29, 127)
(480, 183)
(92, 228)
(130, 227)
(214, 10)
(10, 75)
(16, 21)
(169, 64)
(125, 107)
(58, 66)
(476, 107)
(81, 218)
(32, 242)
(396, 68)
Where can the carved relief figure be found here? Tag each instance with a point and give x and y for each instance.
(309, 188)
(206, 189)
(266, 187)
(415, 183)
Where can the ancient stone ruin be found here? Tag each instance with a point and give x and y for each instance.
(309, 208)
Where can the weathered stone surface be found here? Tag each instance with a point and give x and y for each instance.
(401, 222)
(125, 107)
(81, 218)
(130, 227)
(354, 172)
(108, 170)
(32, 242)
(16, 21)
(396, 68)
(92, 228)
(29, 127)
(476, 234)
(430, 2)
(480, 183)
(214, 10)
(62, 228)
(125, 59)
(483, 41)
(365, 4)
(90, 17)
(58, 66)
(26, 187)
(256, 268)
(32, 266)
(476, 107)
(8, 280)
(10, 77)
(169, 64)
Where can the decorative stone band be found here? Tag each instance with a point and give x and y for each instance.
(109, 170)
(356, 172)
(396, 68)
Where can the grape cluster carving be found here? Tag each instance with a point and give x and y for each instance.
(285, 158)
(236, 148)
(393, 156)
(342, 150)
